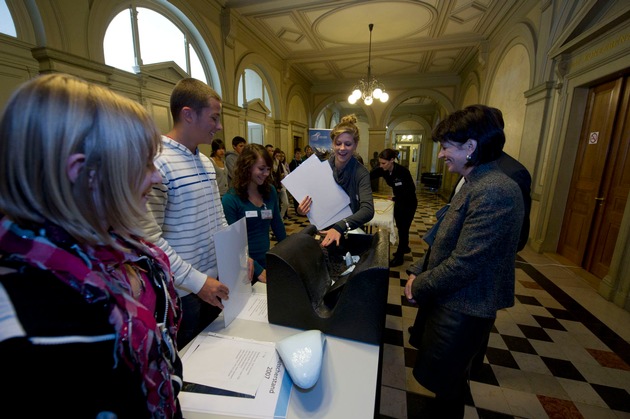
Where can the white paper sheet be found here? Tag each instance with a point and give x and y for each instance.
(256, 309)
(227, 363)
(271, 398)
(231, 250)
(314, 178)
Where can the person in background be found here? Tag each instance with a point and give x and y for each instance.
(218, 152)
(185, 207)
(519, 174)
(308, 152)
(297, 160)
(374, 163)
(470, 271)
(405, 200)
(353, 178)
(88, 306)
(270, 149)
(359, 159)
(280, 171)
(254, 197)
(238, 143)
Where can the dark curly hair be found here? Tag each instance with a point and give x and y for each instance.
(243, 170)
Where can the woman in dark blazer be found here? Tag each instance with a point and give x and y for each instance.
(469, 273)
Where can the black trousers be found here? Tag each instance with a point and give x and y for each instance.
(447, 341)
(404, 212)
(196, 316)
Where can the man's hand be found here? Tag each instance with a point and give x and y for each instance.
(408, 287)
(213, 292)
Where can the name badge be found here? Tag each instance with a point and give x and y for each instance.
(266, 214)
(398, 184)
(251, 214)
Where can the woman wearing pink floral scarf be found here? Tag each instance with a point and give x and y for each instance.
(89, 312)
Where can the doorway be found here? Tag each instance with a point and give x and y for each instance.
(601, 179)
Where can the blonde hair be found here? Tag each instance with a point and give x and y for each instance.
(54, 116)
(348, 124)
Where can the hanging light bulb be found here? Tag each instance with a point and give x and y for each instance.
(368, 88)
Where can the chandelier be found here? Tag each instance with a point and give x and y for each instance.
(368, 88)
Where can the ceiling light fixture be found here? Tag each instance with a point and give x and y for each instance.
(368, 88)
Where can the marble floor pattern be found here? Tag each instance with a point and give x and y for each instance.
(562, 351)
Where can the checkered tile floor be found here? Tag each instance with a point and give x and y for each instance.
(561, 351)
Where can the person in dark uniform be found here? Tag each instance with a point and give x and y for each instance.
(374, 163)
(405, 200)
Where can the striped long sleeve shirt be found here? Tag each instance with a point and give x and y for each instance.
(186, 212)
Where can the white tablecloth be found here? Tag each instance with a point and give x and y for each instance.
(384, 218)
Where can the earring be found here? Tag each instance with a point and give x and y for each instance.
(468, 157)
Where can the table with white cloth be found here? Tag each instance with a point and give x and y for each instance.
(383, 218)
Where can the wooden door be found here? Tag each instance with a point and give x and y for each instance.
(600, 180)
(612, 199)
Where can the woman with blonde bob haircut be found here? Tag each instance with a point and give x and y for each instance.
(77, 282)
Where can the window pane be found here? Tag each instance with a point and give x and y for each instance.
(267, 100)
(241, 95)
(6, 21)
(160, 39)
(253, 85)
(118, 43)
(196, 69)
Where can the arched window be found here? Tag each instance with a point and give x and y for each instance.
(250, 87)
(158, 40)
(7, 26)
(254, 95)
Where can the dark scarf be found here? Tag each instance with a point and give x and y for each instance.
(344, 176)
(99, 275)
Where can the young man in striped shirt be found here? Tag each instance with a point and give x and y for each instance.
(186, 207)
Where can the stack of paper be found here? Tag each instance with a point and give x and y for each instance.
(314, 178)
(234, 376)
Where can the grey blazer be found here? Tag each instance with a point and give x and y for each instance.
(471, 264)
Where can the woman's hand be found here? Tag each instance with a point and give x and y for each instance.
(263, 276)
(331, 236)
(408, 287)
(305, 205)
(250, 268)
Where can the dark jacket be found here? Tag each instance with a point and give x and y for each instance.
(400, 181)
(294, 164)
(470, 268)
(519, 174)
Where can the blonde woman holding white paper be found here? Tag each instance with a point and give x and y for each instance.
(353, 178)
